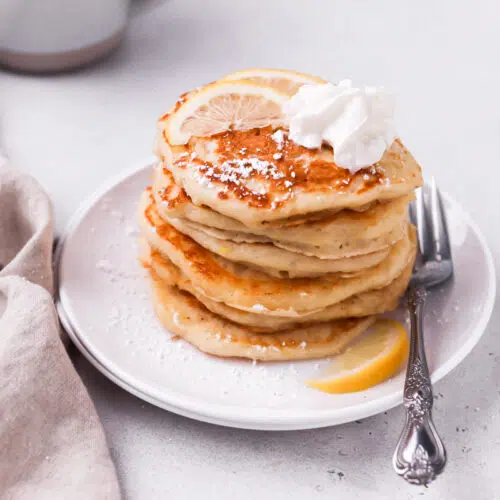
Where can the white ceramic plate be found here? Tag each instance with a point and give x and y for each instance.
(104, 305)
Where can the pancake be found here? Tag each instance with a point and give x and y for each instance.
(334, 250)
(275, 261)
(364, 304)
(179, 204)
(243, 288)
(257, 176)
(186, 317)
(348, 249)
(346, 234)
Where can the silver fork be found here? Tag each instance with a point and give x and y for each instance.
(420, 454)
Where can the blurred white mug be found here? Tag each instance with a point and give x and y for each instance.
(54, 35)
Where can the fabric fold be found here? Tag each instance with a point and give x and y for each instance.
(26, 229)
(53, 444)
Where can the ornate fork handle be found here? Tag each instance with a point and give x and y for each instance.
(420, 454)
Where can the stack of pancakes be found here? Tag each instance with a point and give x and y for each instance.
(260, 248)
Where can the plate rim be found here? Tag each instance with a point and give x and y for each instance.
(227, 415)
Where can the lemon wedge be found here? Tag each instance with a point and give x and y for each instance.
(223, 106)
(283, 80)
(372, 358)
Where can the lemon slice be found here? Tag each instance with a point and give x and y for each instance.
(374, 357)
(283, 80)
(222, 106)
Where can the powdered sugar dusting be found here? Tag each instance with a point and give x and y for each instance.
(259, 308)
(114, 273)
(279, 138)
(234, 171)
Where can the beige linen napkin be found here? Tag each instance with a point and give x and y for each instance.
(52, 444)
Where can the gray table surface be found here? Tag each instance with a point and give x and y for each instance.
(441, 59)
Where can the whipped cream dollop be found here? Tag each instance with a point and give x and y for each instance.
(356, 122)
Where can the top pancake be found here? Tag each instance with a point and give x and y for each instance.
(344, 234)
(259, 176)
